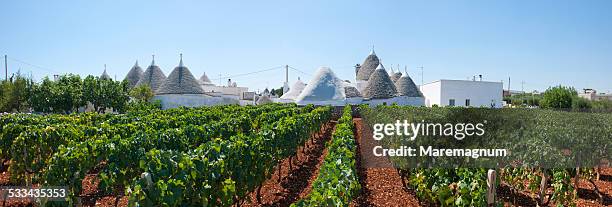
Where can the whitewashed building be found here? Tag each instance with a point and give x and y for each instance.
(592, 95)
(463, 93)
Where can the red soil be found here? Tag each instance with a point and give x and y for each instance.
(379, 186)
(295, 183)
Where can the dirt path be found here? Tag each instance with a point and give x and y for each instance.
(296, 183)
(379, 186)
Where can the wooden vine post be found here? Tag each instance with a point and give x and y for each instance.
(576, 179)
(491, 181)
(543, 186)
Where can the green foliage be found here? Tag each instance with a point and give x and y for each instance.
(558, 97)
(337, 183)
(14, 93)
(142, 93)
(450, 187)
(579, 103)
(184, 156)
(528, 99)
(105, 93)
(604, 105)
(540, 136)
(143, 107)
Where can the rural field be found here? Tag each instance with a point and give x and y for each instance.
(285, 155)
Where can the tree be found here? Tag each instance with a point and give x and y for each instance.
(105, 93)
(67, 94)
(559, 97)
(119, 95)
(142, 93)
(91, 91)
(14, 94)
(41, 96)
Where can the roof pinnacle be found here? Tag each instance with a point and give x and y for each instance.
(181, 62)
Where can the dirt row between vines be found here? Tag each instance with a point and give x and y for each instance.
(295, 183)
(379, 186)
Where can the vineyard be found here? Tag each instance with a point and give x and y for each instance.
(205, 156)
(242, 155)
(543, 135)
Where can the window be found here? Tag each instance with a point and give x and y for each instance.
(451, 102)
(467, 102)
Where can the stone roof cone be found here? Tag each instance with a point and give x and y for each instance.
(105, 75)
(153, 76)
(180, 81)
(134, 75)
(406, 87)
(395, 76)
(369, 65)
(204, 79)
(379, 85)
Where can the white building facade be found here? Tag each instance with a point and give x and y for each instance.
(463, 93)
(592, 95)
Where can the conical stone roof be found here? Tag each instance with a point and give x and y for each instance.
(368, 66)
(351, 92)
(204, 79)
(104, 74)
(294, 91)
(324, 88)
(396, 76)
(153, 76)
(180, 81)
(379, 85)
(406, 87)
(263, 100)
(134, 75)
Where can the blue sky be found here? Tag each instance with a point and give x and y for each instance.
(542, 43)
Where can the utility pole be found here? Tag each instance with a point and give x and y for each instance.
(508, 84)
(286, 73)
(5, 68)
(422, 82)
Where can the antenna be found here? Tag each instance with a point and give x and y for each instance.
(508, 84)
(5, 68)
(422, 82)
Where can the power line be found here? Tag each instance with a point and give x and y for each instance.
(32, 65)
(250, 73)
(305, 73)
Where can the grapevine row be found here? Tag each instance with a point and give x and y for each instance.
(337, 183)
(223, 171)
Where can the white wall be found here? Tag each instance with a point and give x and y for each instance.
(191, 100)
(432, 93)
(401, 101)
(225, 90)
(480, 93)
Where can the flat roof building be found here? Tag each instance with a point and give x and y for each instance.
(463, 93)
